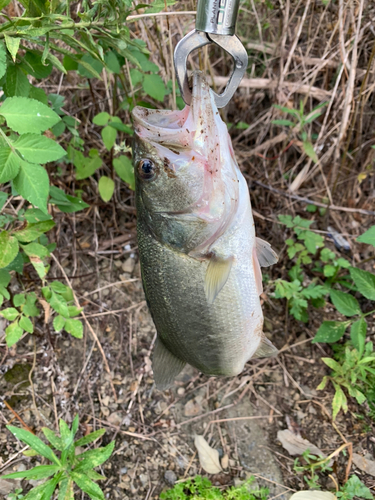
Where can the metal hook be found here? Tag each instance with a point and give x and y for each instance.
(196, 39)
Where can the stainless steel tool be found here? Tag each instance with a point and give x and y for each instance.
(215, 23)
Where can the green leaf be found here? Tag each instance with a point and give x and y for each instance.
(39, 472)
(53, 439)
(74, 327)
(112, 62)
(13, 45)
(30, 308)
(36, 148)
(90, 67)
(16, 82)
(3, 198)
(34, 215)
(329, 270)
(65, 433)
(322, 384)
(358, 335)
(5, 280)
(368, 237)
(26, 324)
(355, 488)
(90, 438)
(66, 203)
(8, 248)
(66, 490)
(331, 363)
(35, 250)
(19, 299)
(154, 86)
(58, 323)
(33, 231)
(32, 183)
(3, 55)
(59, 305)
(311, 240)
(125, 170)
(287, 123)
(39, 95)
(10, 313)
(34, 442)
(106, 187)
(94, 458)
(50, 487)
(339, 402)
(109, 135)
(358, 395)
(330, 331)
(74, 311)
(345, 303)
(25, 115)
(58, 287)
(101, 119)
(87, 486)
(364, 281)
(9, 164)
(87, 166)
(34, 65)
(13, 333)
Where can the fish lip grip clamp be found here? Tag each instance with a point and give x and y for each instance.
(215, 23)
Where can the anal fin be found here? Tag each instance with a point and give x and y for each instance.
(265, 253)
(265, 349)
(216, 276)
(165, 365)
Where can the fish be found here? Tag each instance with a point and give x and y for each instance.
(200, 258)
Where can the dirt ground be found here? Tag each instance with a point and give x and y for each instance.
(154, 431)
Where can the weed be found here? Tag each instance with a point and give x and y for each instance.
(200, 488)
(312, 465)
(67, 468)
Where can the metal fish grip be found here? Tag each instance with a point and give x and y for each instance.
(215, 23)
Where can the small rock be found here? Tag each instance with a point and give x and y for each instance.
(180, 391)
(115, 418)
(170, 477)
(128, 265)
(225, 461)
(144, 479)
(192, 408)
(123, 470)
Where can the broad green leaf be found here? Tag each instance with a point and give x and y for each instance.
(10, 313)
(50, 488)
(358, 335)
(19, 299)
(56, 63)
(16, 82)
(59, 304)
(9, 164)
(4, 3)
(58, 287)
(32, 183)
(154, 86)
(94, 475)
(88, 166)
(34, 65)
(25, 115)
(330, 331)
(34, 215)
(339, 401)
(66, 490)
(58, 323)
(287, 123)
(312, 240)
(74, 327)
(90, 438)
(13, 333)
(358, 395)
(8, 248)
(355, 488)
(36, 148)
(368, 237)
(74, 311)
(34, 442)
(364, 281)
(30, 309)
(88, 486)
(334, 365)
(3, 199)
(35, 250)
(323, 383)
(109, 135)
(124, 169)
(345, 303)
(95, 457)
(101, 119)
(3, 55)
(112, 63)
(26, 324)
(13, 44)
(39, 472)
(329, 270)
(136, 76)
(106, 187)
(5, 280)
(121, 127)
(37, 493)
(33, 231)
(159, 6)
(90, 67)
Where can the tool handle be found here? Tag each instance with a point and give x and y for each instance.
(217, 16)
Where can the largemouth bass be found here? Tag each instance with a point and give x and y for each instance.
(200, 258)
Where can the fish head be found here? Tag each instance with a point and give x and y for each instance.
(185, 170)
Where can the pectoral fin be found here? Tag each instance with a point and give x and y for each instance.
(265, 349)
(265, 253)
(216, 276)
(165, 365)
(257, 273)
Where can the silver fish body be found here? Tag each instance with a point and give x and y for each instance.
(199, 254)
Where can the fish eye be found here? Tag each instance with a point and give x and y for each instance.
(147, 169)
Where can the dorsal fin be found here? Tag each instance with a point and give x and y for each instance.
(165, 365)
(265, 253)
(216, 276)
